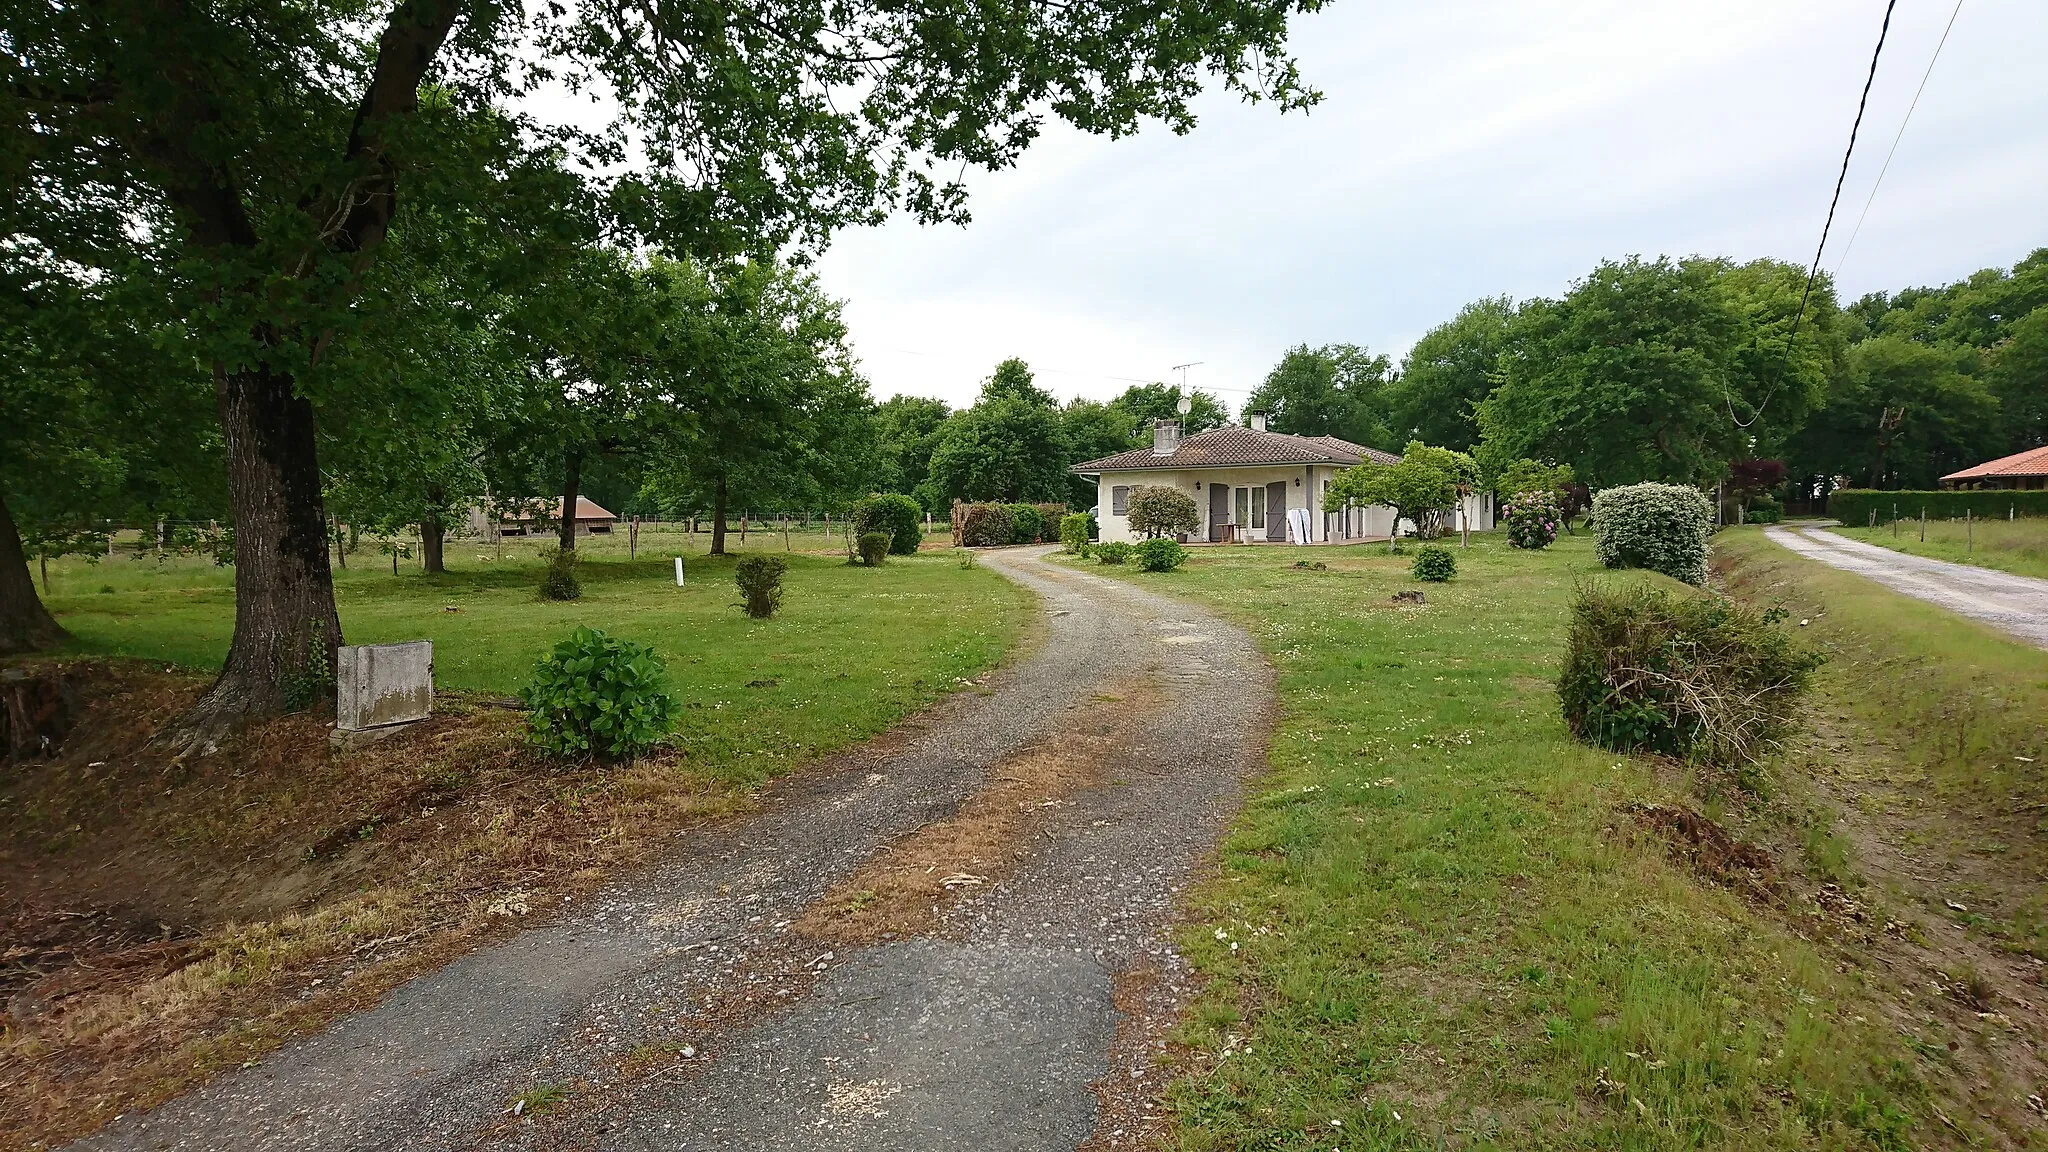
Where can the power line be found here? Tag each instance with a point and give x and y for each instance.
(1814, 271)
(1844, 257)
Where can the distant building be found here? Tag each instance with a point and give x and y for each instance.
(2025, 471)
(591, 520)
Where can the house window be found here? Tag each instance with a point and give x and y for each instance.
(1242, 498)
(1120, 500)
(1251, 506)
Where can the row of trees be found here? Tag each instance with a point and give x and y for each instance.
(1672, 369)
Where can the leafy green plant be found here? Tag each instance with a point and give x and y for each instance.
(1159, 554)
(1763, 511)
(1532, 518)
(1113, 552)
(1157, 510)
(558, 579)
(313, 683)
(1434, 563)
(1662, 527)
(985, 526)
(874, 548)
(1025, 523)
(893, 513)
(1686, 674)
(1075, 531)
(760, 582)
(1422, 487)
(596, 695)
(1049, 517)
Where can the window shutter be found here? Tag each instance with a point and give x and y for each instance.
(1119, 500)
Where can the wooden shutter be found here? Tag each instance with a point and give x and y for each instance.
(1120, 500)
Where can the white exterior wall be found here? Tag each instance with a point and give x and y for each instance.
(1305, 486)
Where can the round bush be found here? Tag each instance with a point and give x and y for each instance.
(1662, 527)
(598, 696)
(1075, 530)
(558, 580)
(1434, 563)
(874, 548)
(760, 581)
(1160, 554)
(1114, 552)
(1025, 523)
(1532, 519)
(893, 513)
(1157, 510)
(985, 526)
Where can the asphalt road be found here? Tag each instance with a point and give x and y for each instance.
(2014, 604)
(985, 1031)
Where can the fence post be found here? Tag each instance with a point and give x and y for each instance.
(1923, 523)
(1895, 521)
(1969, 530)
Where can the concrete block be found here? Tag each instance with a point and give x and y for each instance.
(381, 684)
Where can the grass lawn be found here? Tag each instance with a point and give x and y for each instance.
(1437, 923)
(2016, 546)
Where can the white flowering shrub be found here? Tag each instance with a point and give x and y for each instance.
(1662, 527)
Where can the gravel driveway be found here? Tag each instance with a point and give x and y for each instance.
(681, 1009)
(2015, 604)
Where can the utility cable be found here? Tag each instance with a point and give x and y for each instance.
(1854, 232)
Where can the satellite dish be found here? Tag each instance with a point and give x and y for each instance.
(1187, 404)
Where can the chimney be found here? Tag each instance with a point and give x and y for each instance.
(1165, 437)
(1258, 421)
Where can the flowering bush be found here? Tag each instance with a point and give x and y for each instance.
(1662, 527)
(1533, 518)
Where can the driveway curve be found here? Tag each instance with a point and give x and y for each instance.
(2017, 605)
(684, 1008)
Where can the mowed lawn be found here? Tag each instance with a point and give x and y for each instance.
(851, 651)
(2016, 546)
(1437, 924)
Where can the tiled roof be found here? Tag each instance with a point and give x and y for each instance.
(1235, 445)
(586, 509)
(2033, 462)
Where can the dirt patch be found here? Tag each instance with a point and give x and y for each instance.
(1709, 851)
(906, 887)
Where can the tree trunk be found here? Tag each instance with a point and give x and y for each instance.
(25, 625)
(286, 626)
(572, 477)
(718, 518)
(433, 533)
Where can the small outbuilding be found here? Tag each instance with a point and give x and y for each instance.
(2022, 471)
(591, 520)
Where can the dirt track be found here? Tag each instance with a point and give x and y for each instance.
(2013, 604)
(697, 1006)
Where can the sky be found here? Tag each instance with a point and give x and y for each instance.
(1466, 148)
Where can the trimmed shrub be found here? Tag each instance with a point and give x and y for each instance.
(1074, 532)
(1049, 517)
(598, 696)
(1532, 519)
(1764, 511)
(1686, 674)
(760, 582)
(1025, 523)
(1114, 552)
(1434, 563)
(1854, 506)
(558, 580)
(874, 548)
(1159, 554)
(1662, 527)
(985, 526)
(893, 513)
(1156, 510)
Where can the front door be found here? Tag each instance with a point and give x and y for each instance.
(1276, 511)
(1219, 510)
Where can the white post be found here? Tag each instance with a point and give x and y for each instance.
(679, 571)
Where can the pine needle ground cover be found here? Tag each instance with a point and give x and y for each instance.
(1441, 922)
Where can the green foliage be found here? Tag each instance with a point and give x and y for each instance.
(1157, 510)
(1076, 529)
(1763, 510)
(1532, 518)
(1903, 415)
(1049, 517)
(1853, 506)
(1336, 390)
(1527, 475)
(1113, 552)
(1159, 554)
(1434, 563)
(874, 548)
(1685, 674)
(891, 513)
(906, 428)
(596, 695)
(1025, 523)
(1448, 372)
(1423, 488)
(312, 683)
(558, 576)
(1008, 447)
(1662, 527)
(760, 582)
(985, 526)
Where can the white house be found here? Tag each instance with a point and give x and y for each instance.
(1246, 482)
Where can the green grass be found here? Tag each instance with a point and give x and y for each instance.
(1435, 924)
(852, 650)
(2016, 546)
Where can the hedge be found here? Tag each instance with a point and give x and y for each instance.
(1853, 506)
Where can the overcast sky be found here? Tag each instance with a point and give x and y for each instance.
(1466, 148)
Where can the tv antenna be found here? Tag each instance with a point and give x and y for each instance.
(1183, 370)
